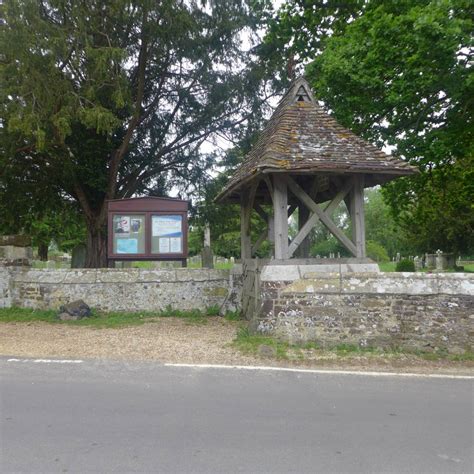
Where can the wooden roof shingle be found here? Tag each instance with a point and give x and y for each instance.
(301, 137)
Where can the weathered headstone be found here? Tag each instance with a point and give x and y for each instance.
(444, 261)
(78, 259)
(430, 260)
(15, 250)
(207, 257)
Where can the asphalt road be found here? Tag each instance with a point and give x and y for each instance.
(119, 417)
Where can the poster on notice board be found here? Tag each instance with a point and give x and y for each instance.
(169, 230)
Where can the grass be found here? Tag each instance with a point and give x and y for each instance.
(390, 267)
(114, 319)
(249, 343)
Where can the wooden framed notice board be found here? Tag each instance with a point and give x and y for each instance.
(147, 228)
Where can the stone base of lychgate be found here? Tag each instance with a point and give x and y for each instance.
(368, 309)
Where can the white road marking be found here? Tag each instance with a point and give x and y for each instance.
(323, 372)
(48, 361)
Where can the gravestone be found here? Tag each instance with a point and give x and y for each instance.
(444, 261)
(15, 250)
(78, 259)
(430, 260)
(207, 257)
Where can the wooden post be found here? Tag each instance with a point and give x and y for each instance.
(245, 243)
(280, 213)
(271, 229)
(303, 215)
(357, 215)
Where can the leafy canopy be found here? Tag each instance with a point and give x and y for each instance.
(114, 98)
(399, 74)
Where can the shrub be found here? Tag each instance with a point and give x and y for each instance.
(405, 266)
(376, 252)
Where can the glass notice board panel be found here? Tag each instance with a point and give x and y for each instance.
(166, 234)
(129, 234)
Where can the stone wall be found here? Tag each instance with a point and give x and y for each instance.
(295, 303)
(390, 310)
(121, 289)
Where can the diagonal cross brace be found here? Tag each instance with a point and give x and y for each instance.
(319, 214)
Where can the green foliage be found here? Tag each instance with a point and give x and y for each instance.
(224, 220)
(398, 73)
(103, 101)
(405, 266)
(376, 252)
(381, 227)
(249, 343)
(330, 245)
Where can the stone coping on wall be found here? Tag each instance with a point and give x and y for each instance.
(129, 289)
(378, 283)
(286, 272)
(115, 275)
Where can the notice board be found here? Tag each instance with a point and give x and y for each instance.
(148, 228)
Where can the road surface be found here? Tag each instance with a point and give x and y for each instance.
(98, 416)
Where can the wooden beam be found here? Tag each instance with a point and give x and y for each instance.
(280, 213)
(271, 229)
(292, 209)
(246, 204)
(302, 233)
(259, 242)
(261, 212)
(305, 229)
(357, 215)
(302, 251)
(331, 207)
(245, 244)
(268, 182)
(308, 202)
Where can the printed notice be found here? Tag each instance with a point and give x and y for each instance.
(166, 226)
(122, 224)
(175, 245)
(136, 225)
(127, 246)
(164, 246)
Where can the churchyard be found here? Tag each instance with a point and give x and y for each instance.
(286, 304)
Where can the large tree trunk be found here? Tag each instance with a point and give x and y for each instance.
(43, 252)
(96, 254)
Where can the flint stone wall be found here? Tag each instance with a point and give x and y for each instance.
(388, 310)
(121, 289)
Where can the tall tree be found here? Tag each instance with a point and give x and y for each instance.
(400, 74)
(110, 97)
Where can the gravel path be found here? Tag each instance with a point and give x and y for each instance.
(175, 340)
(167, 340)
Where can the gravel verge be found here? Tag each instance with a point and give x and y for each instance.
(174, 340)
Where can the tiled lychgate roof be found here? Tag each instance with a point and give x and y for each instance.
(301, 137)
